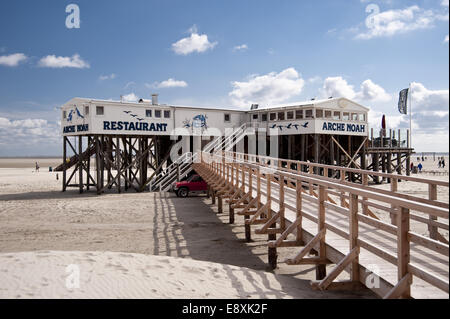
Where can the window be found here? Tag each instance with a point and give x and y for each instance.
(345, 116)
(64, 114)
(290, 115)
(158, 114)
(362, 117)
(328, 114)
(100, 110)
(264, 117)
(227, 117)
(273, 116)
(309, 114)
(354, 116)
(336, 115)
(167, 114)
(319, 113)
(148, 113)
(280, 116)
(299, 114)
(86, 110)
(255, 116)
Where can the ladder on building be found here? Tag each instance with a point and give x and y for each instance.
(183, 165)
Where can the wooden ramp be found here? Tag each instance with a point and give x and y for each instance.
(327, 221)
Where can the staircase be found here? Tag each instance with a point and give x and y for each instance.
(183, 165)
(177, 170)
(74, 159)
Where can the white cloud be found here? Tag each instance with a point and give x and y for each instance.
(112, 76)
(130, 97)
(369, 91)
(392, 22)
(372, 92)
(170, 83)
(28, 132)
(194, 43)
(52, 61)
(267, 89)
(337, 87)
(242, 47)
(430, 100)
(446, 39)
(444, 3)
(12, 59)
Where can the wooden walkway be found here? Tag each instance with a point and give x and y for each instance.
(300, 212)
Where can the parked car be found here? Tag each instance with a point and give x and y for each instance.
(193, 185)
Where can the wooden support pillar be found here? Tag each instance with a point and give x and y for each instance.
(403, 248)
(88, 163)
(321, 270)
(248, 236)
(316, 152)
(354, 273)
(118, 164)
(332, 156)
(408, 164)
(80, 163)
(432, 195)
(376, 165)
(65, 163)
(399, 163)
(394, 187)
(389, 165)
(303, 147)
(98, 164)
(102, 166)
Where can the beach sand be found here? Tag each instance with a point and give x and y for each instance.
(122, 244)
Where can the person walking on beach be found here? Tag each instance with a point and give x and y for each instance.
(420, 167)
(37, 167)
(443, 163)
(439, 163)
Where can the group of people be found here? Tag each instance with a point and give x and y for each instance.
(441, 162)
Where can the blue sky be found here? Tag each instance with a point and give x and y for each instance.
(233, 53)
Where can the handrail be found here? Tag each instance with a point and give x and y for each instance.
(348, 169)
(217, 168)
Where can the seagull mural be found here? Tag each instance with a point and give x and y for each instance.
(69, 117)
(305, 125)
(140, 119)
(78, 113)
(273, 126)
(133, 115)
(128, 112)
(296, 126)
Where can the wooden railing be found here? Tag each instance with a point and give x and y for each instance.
(306, 168)
(277, 199)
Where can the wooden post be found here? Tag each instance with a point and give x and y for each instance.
(321, 271)
(376, 165)
(272, 252)
(394, 188)
(247, 226)
(118, 164)
(88, 163)
(316, 152)
(353, 218)
(365, 182)
(65, 163)
(80, 163)
(98, 164)
(403, 249)
(298, 188)
(432, 195)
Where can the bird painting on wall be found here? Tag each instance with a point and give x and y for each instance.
(305, 125)
(133, 115)
(128, 112)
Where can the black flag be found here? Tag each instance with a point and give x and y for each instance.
(403, 101)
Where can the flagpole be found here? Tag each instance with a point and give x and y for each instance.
(410, 116)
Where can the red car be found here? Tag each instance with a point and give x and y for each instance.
(194, 184)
